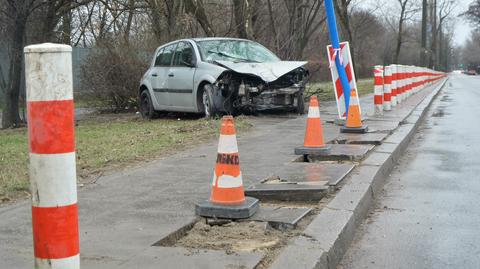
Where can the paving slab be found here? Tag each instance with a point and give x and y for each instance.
(288, 192)
(342, 152)
(368, 138)
(169, 257)
(309, 173)
(300, 181)
(280, 217)
(381, 126)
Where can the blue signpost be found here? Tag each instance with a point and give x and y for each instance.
(332, 29)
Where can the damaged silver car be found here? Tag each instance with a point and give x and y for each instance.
(220, 76)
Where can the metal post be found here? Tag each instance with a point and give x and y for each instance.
(48, 75)
(332, 29)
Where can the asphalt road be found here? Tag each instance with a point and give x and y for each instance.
(428, 215)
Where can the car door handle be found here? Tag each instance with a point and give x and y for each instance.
(171, 75)
(154, 75)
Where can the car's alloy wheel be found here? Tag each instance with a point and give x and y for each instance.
(146, 106)
(207, 101)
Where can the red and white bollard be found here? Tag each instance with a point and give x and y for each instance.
(404, 83)
(378, 89)
(393, 69)
(387, 88)
(48, 75)
(408, 73)
(399, 84)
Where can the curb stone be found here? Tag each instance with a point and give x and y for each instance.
(328, 236)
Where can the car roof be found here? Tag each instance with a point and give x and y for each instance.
(197, 39)
(217, 38)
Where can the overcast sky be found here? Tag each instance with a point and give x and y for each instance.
(462, 27)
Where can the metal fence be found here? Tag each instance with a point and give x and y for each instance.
(79, 55)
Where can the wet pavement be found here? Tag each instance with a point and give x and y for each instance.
(428, 214)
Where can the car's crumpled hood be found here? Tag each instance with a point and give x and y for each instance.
(268, 71)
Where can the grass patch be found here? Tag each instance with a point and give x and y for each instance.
(106, 142)
(325, 92)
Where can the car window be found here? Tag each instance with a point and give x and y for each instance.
(157, 57)
(235, 50)
(165, 56)
(183, 54)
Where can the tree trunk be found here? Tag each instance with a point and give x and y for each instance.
(241, 20)
(341, 7)
(272, 26)
(195, 8)
(67, 27)
(400, 31)
(128, 27)
(433, 47)
(423, 61)
(10, 116)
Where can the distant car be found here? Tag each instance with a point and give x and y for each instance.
(220, 75)
(471, 72)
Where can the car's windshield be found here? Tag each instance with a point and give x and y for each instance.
(235, 51)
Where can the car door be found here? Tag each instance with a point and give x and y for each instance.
(159, 75)
(180, 77)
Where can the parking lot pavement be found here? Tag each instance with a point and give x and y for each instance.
(124, 213)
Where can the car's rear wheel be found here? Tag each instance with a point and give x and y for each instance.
(146, 105)
(207, 101)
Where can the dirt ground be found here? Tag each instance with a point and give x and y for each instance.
(248, 236)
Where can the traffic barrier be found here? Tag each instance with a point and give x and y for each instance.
(227, 198)
(50, 110)
(409, 81)
(399, 82)
(354, 120)
(313, 142)
(387, 88)
(393, 69)
(378, 89)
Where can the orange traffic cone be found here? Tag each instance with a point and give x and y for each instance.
(227, 185)
(313, 142)
(227, 198)
(354, 119)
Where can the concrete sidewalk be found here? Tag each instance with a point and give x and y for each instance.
(123, 214)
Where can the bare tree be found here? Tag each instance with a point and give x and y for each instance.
(473, 13)
(440, 12)
(18, 13)
(406, 12)
(197, 10)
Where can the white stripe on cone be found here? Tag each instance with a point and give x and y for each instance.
(313, 112)
(227, 144)
(227, 181)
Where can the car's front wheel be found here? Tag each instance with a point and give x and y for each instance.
(146, 105)
(207, 101)
(300, 108)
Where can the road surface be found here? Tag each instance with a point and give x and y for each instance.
(428, 215)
